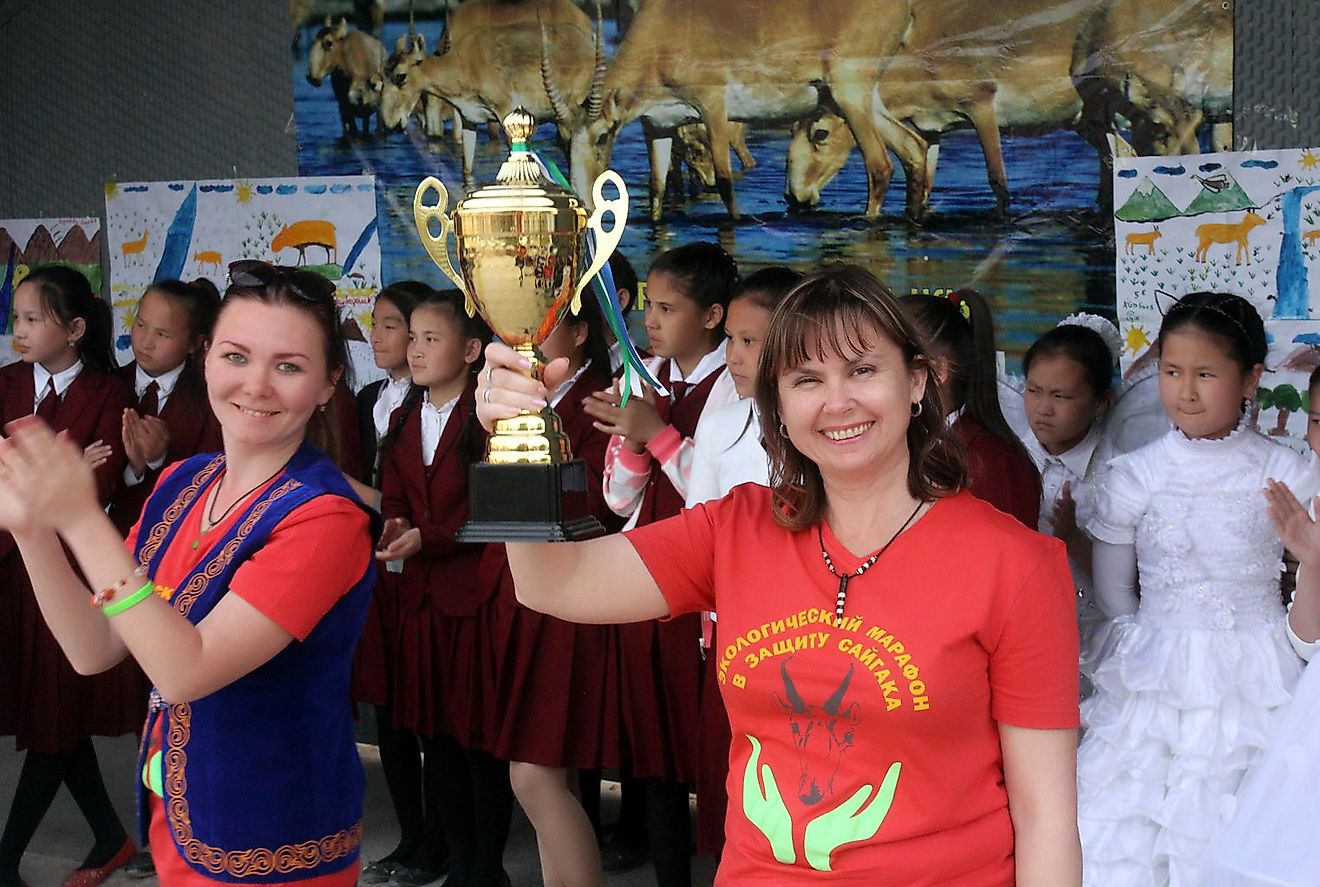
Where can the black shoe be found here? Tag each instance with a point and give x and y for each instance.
(141, 866)
(617, 856)
(379, 872)
(406, 876)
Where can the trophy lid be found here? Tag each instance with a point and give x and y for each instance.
(521, 183)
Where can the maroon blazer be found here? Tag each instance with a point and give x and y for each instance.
(445, 575)
(1001, 474)
(92, 409)
(662, 499)
(193, 429)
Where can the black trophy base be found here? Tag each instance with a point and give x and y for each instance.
(529, 503)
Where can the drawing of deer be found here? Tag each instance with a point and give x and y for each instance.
(1145, 238)
(1223, 233)
(134, 247)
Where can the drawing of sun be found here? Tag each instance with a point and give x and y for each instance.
(244, 192)
(112, 190)
(1309, 159)
(1136, 339)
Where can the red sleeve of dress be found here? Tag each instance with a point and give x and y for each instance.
(679, 554)
(1033, 665)
(311, 560)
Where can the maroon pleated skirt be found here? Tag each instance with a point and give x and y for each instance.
(447, 671)
(559, 700)
(57, 708)
(713, 761)
(660, 686)
(374, 664)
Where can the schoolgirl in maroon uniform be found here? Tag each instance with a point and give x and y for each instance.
(646, 471)
(960, 338)
(421, 840)
(62, 335)
(171, 418)
(558, 709)
(447, 641)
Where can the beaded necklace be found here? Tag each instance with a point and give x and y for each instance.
(870, 562)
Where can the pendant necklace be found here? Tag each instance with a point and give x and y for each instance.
(870, 562)
(212, 520)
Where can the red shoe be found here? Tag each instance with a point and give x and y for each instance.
(97, 876)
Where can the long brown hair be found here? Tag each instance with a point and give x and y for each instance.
(835, 311)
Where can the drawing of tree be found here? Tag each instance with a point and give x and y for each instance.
(1288, 401)
(1263, 400)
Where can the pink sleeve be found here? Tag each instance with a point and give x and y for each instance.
(310, 561)
(626, 474)
(1033, 664)
(687, 582)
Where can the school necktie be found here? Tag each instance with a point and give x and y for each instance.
(50, 401)
(149, 402)
(677, 390)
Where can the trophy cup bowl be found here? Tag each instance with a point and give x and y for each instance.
(520, 245)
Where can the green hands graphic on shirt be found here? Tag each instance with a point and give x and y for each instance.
(856, 819)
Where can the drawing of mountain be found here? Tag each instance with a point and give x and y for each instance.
(40, 249)
(1219, 193)
(1147, 204)
(75, 247)
(5, 240)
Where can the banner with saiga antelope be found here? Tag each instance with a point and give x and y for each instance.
(1245, 222)
(984, 128)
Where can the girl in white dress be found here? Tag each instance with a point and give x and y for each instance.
(1183, 705)
(1270, 841)
(1070, 375)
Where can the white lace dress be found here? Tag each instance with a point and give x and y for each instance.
(1183, 704)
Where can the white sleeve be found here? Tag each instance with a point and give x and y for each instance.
(703, 481)
(1304, 649)
(1114, 567)
(1121, 501)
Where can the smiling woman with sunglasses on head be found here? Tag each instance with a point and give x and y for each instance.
(249, 766)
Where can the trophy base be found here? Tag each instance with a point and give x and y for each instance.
(529, 503)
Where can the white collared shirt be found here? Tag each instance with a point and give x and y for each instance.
(63, 379)
(165, 384)
(388, 399)
(711, 362)
(1077, 467)
(567, 385)
(434, 420)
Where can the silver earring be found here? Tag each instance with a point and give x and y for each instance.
(783, 432)
(917, 407)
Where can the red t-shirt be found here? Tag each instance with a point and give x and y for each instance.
(967, 620)
(293, 580)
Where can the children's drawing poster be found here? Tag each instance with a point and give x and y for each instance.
(1245, 222)
(28, 244)
(190, 229)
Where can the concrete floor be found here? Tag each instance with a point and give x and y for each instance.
(64, 839)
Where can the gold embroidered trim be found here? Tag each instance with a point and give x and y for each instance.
(237, 863)
(177, 508)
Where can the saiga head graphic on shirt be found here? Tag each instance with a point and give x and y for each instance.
(822, 733)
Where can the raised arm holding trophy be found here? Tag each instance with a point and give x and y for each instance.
(521, 246)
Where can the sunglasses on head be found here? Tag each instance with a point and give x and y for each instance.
(305, 284)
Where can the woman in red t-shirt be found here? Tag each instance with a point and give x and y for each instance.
(908, 713)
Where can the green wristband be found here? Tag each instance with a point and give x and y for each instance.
(114, 608)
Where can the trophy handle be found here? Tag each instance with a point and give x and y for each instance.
(438, 247)
(606, 241)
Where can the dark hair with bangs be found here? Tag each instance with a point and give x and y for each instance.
(834, 311)
(1226, 316)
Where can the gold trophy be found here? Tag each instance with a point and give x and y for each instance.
(521, 244)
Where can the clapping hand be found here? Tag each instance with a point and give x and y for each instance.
(1064, 516)
(1298, 531)
(146, 439)
(637, 423)
(97, 453)
(45, 480)
(398, 540)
